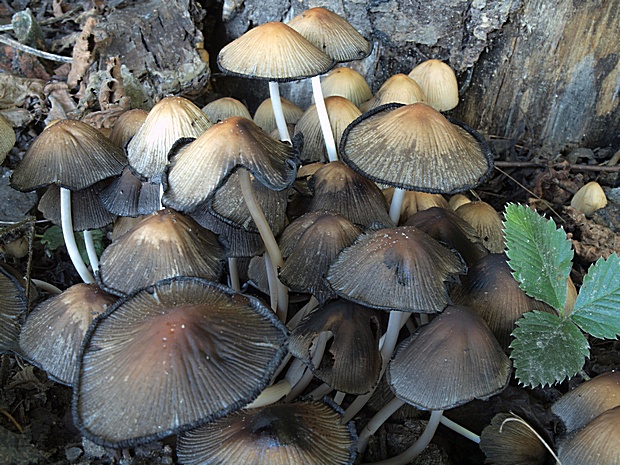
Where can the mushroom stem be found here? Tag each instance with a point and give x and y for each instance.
(326, 128)
(276, 105)
(271, 394)
(91, 251)
(397, 204)
(417, 447)
(45, 286)
(339, 397)
(267, 235)
(233, 270)
(460, 429)
(376, 421)
(319, 350)
(312, 304)
(67, 232)
(396, 321)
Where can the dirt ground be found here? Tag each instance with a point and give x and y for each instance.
(35, 413)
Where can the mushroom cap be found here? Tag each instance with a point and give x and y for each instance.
(589, 198)
(352, 362)
(70, 154)
(438, 82)
(127, 195)
(578, 407)
(163, 245)
(597, 442)
(204, 165)
(419, 149)
(275, 52)
(487, 222)
(399, 268)
(398, 88)
(126, 126)
(172, 357)
(338, 188)
(52, 335)
(225, 107)
(265, 118)
(7, 138)
(171, 119)
(340, 111)
(511, 442)
(12, 310)
(450, 361)
(297, 433)
(348, 83)
(415, 201)
(87, 210)
(310, 244)
(332, 34)
(490, 290)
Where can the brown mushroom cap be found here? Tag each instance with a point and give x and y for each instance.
(298, 433)
(12, 310)
(450, 361)
(126, 126)
(351, 362)
(398, 88)
(52, 335)
(127, 195)
(171, 119)
(348, 83)
(163, 245)
(70, 154)
(395, 269)
(597, 442)
(511, 443)
(225, 107)
(275, 52)
(266, 120)
(414, 147)
(171, 357)
(438, 82)
(332, 34)
(486, 221)
(204, 165)
(578, 407)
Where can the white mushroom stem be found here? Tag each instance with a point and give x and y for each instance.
(376, 421)
(268, 238)
(276, 105)
(271, 394)
(417, 448)
(305, 310)
(91, 251)
(397, 204)
(67, 233)
(45, 286)
(460, 429)
(233, 270)
(320, 343)
(388, 343)
(326, 128)
(339, 397)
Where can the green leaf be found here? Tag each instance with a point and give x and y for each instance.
(540, 255)
(547, 349)
(52, 239)
(597, 309)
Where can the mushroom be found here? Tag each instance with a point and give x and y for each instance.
(172, 357)
(264, 115)
(348, 83)
(398, 88)
(225, 107)
(487, 222)
(7, 138)
(13, 309)
(438, 82)
(589, 198)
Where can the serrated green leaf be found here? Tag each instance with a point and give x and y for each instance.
(540, 255)
(547, 349)
(597, 309)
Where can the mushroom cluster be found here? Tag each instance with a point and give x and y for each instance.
(248, 269)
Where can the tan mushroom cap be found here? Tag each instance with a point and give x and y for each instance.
(438, 82)
(395, 269)
(171, 119)
(414, 147)
(70, 154)
(7, 138)
(352, 362)
(225, 107)
(450, 361)
(298, 433)
(589, 198)
(415, 201)
(275, 52)
(578, 407)
(398, 88)
(511, 442)
(52, 334)
(486, 221)
(13, 309)
(348, 83)
(310, 244)
(331, 34)
(341, 113)
(172, 357)
(126, 126)
(265, 118)
(204, 165)
(597, 442)
(163, 245)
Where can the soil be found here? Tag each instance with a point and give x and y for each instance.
(36, 424)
